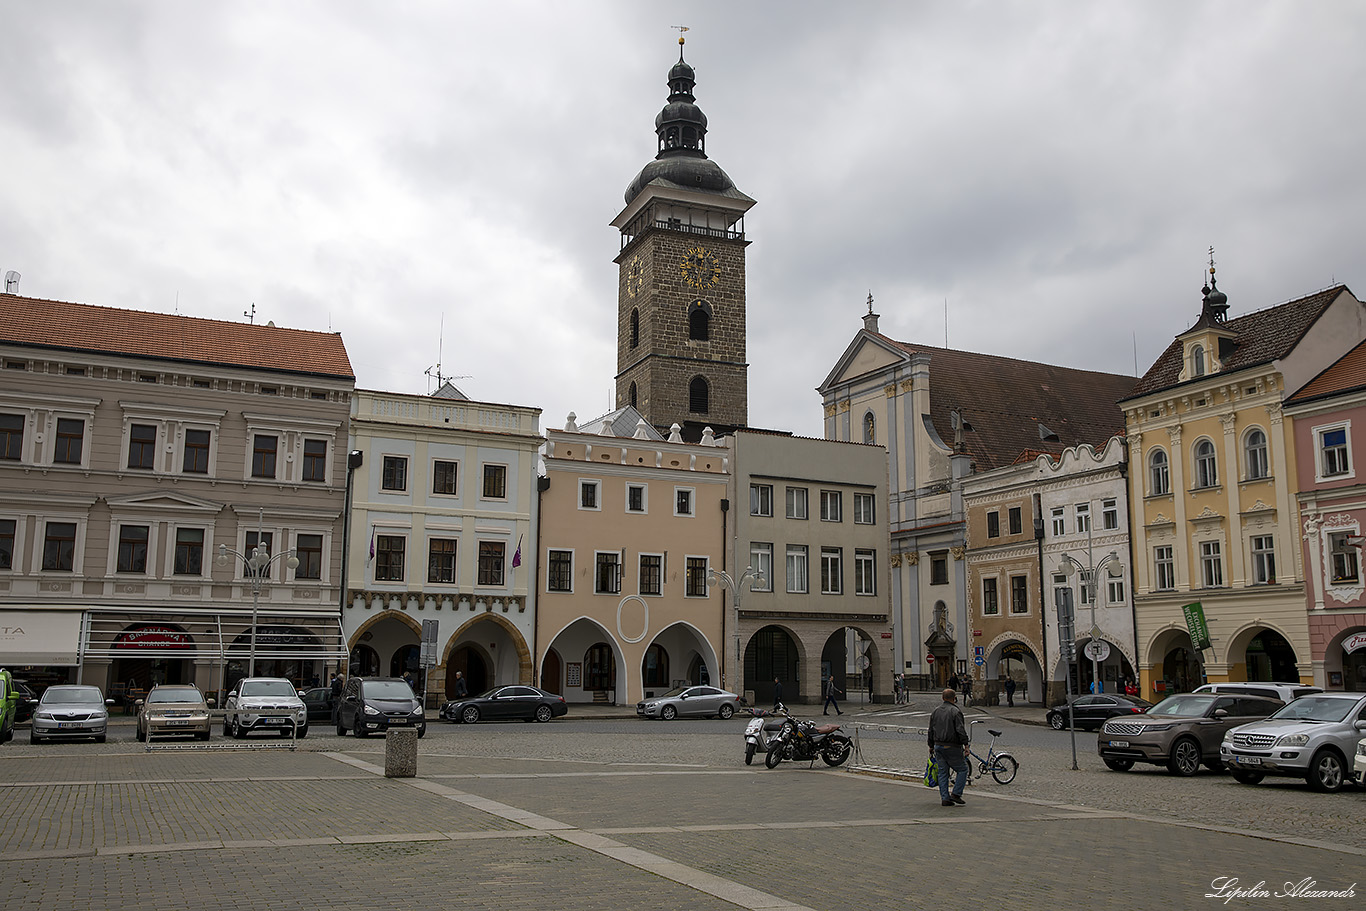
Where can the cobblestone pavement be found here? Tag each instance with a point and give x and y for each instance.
(630, 815)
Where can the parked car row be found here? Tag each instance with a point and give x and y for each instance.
(1253, 730)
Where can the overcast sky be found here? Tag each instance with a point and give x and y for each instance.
(1054, 172)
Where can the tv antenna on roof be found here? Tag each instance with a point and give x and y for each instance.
(434, 372)
(251, 314)
(12, 282)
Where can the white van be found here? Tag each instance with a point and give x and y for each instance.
(1286, 692)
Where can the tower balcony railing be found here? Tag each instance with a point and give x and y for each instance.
(642, 225)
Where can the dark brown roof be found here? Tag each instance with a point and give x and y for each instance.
(1346, 374)
(37, 323)
(1005, 401)
(1261, 338)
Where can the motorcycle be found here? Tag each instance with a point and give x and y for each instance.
(805, 741)
(762, 730)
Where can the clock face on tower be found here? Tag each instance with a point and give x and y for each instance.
(700, 268)
(635, 276)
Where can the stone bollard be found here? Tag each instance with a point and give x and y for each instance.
(400, 753)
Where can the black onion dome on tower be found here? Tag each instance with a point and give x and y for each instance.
(682, 131)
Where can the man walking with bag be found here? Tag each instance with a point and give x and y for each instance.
(948, 736)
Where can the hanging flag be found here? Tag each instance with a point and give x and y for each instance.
(517, 557)
(372, 545)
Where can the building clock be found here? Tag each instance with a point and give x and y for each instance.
(700, 268)
(635, 276)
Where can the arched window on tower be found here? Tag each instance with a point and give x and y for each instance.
(869, 428)
(671, 138)
(634, 404)
(689, 138)
(1198, 361)
(635, 327)
(699, 324)
(698, 396)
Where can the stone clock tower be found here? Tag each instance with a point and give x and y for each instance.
(681, 293)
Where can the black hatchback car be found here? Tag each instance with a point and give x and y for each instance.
(375, 704)
(1092, 711)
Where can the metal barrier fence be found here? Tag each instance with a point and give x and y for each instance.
(893, 756)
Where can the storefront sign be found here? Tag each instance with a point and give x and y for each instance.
(39, 638)
(1195, 624)
(154, 637)
(1354, 642)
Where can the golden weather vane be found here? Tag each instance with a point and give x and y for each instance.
(681, 30)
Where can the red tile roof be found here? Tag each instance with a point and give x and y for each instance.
(1346, 374)
(37, 323)
(1005, 401)
(1262, 337)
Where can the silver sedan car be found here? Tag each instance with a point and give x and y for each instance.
(689, 700)
(70, 711)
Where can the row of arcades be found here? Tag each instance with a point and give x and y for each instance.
(585, 663)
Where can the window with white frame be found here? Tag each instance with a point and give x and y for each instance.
(1083, 587)
(492, 560)
(559, 573)
(865, 577)
(8, 530)
(389, 550)
(195, 454)
(588, 494)
(132, 553)
(1083, 512)
(1211, 564)
(1059, 516)
(495, 482)
(1198, 361)
(445, 477)
(309, 551)
(939, 568)
(189, 552)
(651, 580)
(1263, 559)
(70, 442)
(1159, 473)
(761, 499)
(832, 506)
(832, 571)
(683, 501)
(12, 437)
(761, 558)
(1109, 514)
(1255, 459)
(607, 573)
(1114, 590)
(863, 509)
(991, 598)
(1206, 468)
(695, 580)
(142, 445)
(1335, 456)
(796, 503)
(1019, 594)
(635, 498)
(1345, 567)
(797, 569)
(394, 473)
(441, 560)
(1164, 568)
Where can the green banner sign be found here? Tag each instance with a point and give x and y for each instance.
(1195, 623)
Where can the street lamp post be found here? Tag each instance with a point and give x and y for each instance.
(721, 577)
(256, 565)
(1068, 566)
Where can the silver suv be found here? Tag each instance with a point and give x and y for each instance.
(1315, 736)
(264, 704)
(1285, 692)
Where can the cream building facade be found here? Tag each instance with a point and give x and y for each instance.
(443, 525)
(1213, 489)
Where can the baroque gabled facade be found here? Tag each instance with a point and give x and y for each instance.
(1213, 489)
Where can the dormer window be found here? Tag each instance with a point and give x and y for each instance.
(1198, 361)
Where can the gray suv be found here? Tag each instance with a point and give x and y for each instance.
(1314, 737)
(1181, 732)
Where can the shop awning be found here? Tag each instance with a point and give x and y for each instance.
(40, 638)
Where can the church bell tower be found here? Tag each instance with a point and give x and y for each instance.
(681, 292)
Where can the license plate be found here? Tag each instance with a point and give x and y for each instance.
(177, 721)
(1249, 760)
(277, 721)
(68, 724)
(1119, 743)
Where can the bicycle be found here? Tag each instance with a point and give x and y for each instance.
(1002, 765)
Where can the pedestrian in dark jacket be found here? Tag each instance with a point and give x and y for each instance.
(777, 693)
(948, 737)
(334, 697)
(461, 688)
(831, 691)
(1010, 691)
